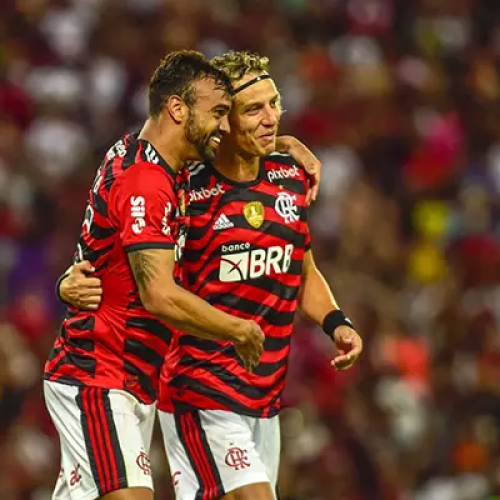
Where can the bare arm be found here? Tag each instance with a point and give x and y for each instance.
(306, 159)
(316, 300)
(162, 297)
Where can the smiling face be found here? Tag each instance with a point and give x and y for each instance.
(254, 118)
(207, 119)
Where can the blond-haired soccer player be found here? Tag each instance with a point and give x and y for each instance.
(247, 252)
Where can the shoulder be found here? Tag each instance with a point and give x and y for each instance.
(281, 158)
(144, 178)
(281, 167)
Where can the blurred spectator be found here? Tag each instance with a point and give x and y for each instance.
(401, 102)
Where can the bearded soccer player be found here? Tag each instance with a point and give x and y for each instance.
(247, 252)
(102, 375)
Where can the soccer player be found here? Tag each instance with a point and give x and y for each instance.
(102, 375)
(247, 252)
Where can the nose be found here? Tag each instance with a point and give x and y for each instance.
(270, 117)
(224, 125)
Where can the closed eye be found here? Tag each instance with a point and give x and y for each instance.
(221, 111)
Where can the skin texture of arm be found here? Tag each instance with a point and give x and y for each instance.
(315, 297)
(316, 300)
(306, 159)
(162, 297)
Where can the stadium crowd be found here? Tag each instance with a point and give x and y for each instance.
(400, 100)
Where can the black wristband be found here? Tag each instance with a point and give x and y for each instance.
(58, 288)
(333, 319)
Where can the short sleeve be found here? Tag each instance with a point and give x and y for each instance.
(305, 229)
(143, 206)
(307, 240)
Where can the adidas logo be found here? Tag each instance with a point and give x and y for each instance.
(222, 223)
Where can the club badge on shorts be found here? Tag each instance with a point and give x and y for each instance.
(254, 213)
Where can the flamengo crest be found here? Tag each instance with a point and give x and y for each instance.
(237, 458)
(286, 208)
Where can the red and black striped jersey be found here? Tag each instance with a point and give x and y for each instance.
(136, 202)
(243, 254)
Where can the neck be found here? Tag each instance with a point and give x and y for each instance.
(169, 141)
(236, 165)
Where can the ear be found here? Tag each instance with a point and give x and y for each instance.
(176, 108)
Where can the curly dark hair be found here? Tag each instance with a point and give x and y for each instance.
(177, 73)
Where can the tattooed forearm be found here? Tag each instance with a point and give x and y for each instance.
(144, 264)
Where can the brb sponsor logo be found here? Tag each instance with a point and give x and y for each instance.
(283, 173)
(205, 194)
(138, 211)
(252, 264)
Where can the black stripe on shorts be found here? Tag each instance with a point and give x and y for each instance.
(115, 451)
(195, 443)
(101, 440)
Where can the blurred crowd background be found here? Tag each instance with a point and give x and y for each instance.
(401, 101)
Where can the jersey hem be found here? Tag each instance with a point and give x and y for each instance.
(144, 401)
(180, 406)
(253, 478)
(90, 495)
(149, 246)
(94, 493)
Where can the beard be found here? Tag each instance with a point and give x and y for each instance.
(198, 138)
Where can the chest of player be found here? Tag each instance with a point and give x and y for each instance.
(261, 214)
(246, 232)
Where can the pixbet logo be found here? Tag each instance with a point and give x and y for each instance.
(283, 173)
(205, 194)
(254, 263)
(138, 211)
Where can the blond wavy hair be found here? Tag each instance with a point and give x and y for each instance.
(237, 64)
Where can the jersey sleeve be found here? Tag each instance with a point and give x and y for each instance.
(307, 243)
(305, 222)
(307, 235)
(144, 203)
